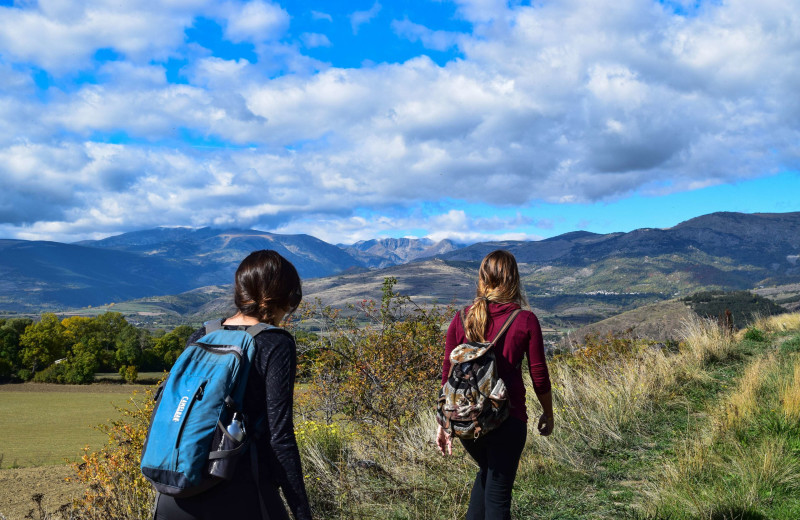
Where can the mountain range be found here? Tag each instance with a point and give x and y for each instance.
(578, 275)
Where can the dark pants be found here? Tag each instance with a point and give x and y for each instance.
(497, 455)
(237, 499)
(220, 507)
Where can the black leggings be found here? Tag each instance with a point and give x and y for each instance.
(497, 455)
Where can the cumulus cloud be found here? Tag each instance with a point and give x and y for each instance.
(564, 102)
(255, 21)
(63, 36)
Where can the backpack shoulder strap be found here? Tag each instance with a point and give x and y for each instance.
(254, 330)
(463, 320)
(505, 326)
(213, 325)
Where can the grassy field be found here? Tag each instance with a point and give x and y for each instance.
(42, 424)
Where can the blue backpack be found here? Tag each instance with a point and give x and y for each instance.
(188, 448)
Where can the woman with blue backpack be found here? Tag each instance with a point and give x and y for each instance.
(483, 395)
(267, 288)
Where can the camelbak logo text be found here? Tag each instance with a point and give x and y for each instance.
(179, 411)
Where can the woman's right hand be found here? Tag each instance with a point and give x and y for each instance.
(444, 442)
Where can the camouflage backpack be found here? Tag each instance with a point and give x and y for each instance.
(474, 401)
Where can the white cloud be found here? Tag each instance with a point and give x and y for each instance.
(319, 15)
(453, 224)
(255, 21)
(63, 36)
(437, 40)
(359, 18)
(313, 40)
(574, 101)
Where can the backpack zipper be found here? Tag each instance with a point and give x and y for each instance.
(198, 395)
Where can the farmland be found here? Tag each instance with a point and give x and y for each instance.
(43, 426)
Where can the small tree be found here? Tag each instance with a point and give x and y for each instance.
(43, 342)
(382, 362)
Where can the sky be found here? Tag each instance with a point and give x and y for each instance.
(468, 119)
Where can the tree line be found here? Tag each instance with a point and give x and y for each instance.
(736, 309)
(71, 350)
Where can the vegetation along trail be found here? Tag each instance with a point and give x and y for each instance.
(707, 427)
(708, 431)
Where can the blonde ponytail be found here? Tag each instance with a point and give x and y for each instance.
(498, 282)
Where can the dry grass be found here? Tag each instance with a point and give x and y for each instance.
(790, 396)
(595, 404)
(743, 403)
(702, 483)
(704, 341)
(779, 323)
(714, 474)
(766, 466)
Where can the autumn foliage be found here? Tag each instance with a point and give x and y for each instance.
(114, 485)
(374, 367)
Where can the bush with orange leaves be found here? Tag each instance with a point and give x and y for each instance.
(376, 367)
(115, 488)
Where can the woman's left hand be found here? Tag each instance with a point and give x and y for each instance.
(545, 425)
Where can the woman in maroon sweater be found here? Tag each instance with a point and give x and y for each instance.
(498, 452)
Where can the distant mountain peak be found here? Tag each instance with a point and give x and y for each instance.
(384, 252)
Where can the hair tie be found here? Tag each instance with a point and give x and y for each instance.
(484, 298)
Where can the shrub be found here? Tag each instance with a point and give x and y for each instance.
(376, 374)
(129, 373)
(754, 334)
(115, 487)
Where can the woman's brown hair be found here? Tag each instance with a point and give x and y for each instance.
(498, 281)
(266, 283)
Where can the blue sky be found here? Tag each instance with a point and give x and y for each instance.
(468, 119)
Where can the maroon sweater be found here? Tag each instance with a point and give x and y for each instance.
(524, 337)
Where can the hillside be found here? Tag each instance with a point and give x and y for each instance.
(216, 253)
(721, 250)
(42, 275)
(662, 321)
(575, 278)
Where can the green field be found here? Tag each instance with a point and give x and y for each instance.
(47, 424)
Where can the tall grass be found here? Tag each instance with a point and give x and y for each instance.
(790, 397)
(779, 323)
(705, 341)
(747, 456)
(743, 404)
(596, 401)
